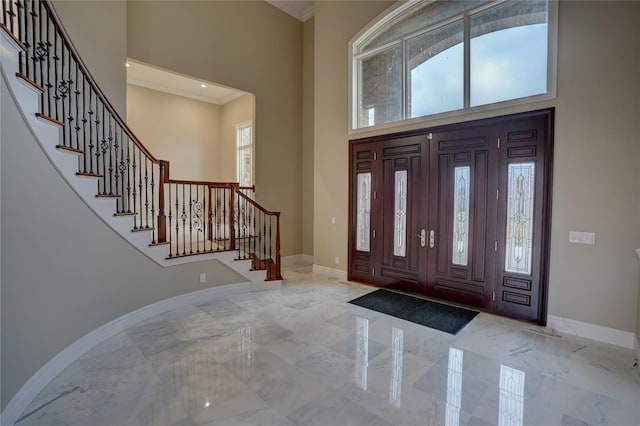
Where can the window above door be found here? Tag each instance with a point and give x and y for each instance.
(425, 59)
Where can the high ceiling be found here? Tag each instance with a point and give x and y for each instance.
(301, 10)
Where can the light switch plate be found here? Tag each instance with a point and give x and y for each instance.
(582, 237)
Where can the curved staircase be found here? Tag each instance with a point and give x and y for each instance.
(170, 221)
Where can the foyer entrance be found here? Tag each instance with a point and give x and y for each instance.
(459, 213)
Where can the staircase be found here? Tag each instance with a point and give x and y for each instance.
(170, 221)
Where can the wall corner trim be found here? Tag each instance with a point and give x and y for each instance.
(613, 336)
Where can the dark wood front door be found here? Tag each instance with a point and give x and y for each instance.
(462, 215)
(459, 213)
(401, 194)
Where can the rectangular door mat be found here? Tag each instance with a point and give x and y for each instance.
(449, 319)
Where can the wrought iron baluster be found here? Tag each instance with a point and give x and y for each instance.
(21, 29)
(56, 60)
(140, 192)
(170, 222)
(153, 204)
(110, 139)
(190, 220)
(134, 194)
(32, 57)
(128, 171)
(77, 115)
(177, 222)
(184, 222)
(118, 182)
(146, 190)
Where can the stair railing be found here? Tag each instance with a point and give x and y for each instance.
(192, 217)
(258, 236)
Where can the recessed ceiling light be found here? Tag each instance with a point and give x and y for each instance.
(127, 65)
(203, 85)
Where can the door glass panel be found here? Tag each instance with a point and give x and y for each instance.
(461, 216)
(520, 192)
(400, 214)
(364, 211)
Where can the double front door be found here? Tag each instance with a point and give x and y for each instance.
(458, 213)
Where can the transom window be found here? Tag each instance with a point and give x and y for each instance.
(431, 57)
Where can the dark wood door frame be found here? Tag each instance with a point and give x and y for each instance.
(360, 266)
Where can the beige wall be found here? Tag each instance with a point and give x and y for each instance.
(183, 131)
(595, 164)
(308, 68)
(64, 272)
(251, 46)
(233, 113)
(105, 56)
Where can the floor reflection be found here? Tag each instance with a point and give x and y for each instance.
(454, 387)
(395, 385)
(511, 397)
(362, 352)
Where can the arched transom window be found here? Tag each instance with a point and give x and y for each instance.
(430, 57)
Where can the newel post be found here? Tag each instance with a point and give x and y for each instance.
(278, 265)
(162, 220)
(234, 215)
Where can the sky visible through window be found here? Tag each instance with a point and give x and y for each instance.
(506, 64)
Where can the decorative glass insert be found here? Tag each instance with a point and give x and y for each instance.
(454, 387)
(460, 244)
(511, 403)
(363, 221)
(362, 352)
(519, 241)
(400, 214)
(395, 385)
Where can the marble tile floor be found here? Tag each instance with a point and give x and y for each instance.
(302, 355)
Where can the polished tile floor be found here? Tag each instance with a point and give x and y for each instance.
(303, 356)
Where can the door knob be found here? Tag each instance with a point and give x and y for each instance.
(423, 238)
(432, 239)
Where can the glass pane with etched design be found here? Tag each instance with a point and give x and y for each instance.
(400, 214)
(520, 193)
(363, 225)
(460, 245)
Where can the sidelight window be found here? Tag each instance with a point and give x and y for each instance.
(431, 57)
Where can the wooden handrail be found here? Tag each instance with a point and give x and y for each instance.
(53, 14)
(256, 205)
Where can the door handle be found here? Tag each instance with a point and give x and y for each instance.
(432, 239)
(423, 238)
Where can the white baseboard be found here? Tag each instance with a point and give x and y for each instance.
(334, 273)
(62, 360)
(297, 259)
(612, 336)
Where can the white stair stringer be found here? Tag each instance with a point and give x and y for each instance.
(48, 135)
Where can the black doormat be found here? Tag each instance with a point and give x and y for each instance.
(449, 319)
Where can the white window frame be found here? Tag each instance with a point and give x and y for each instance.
(399, 8)
(250, 146)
